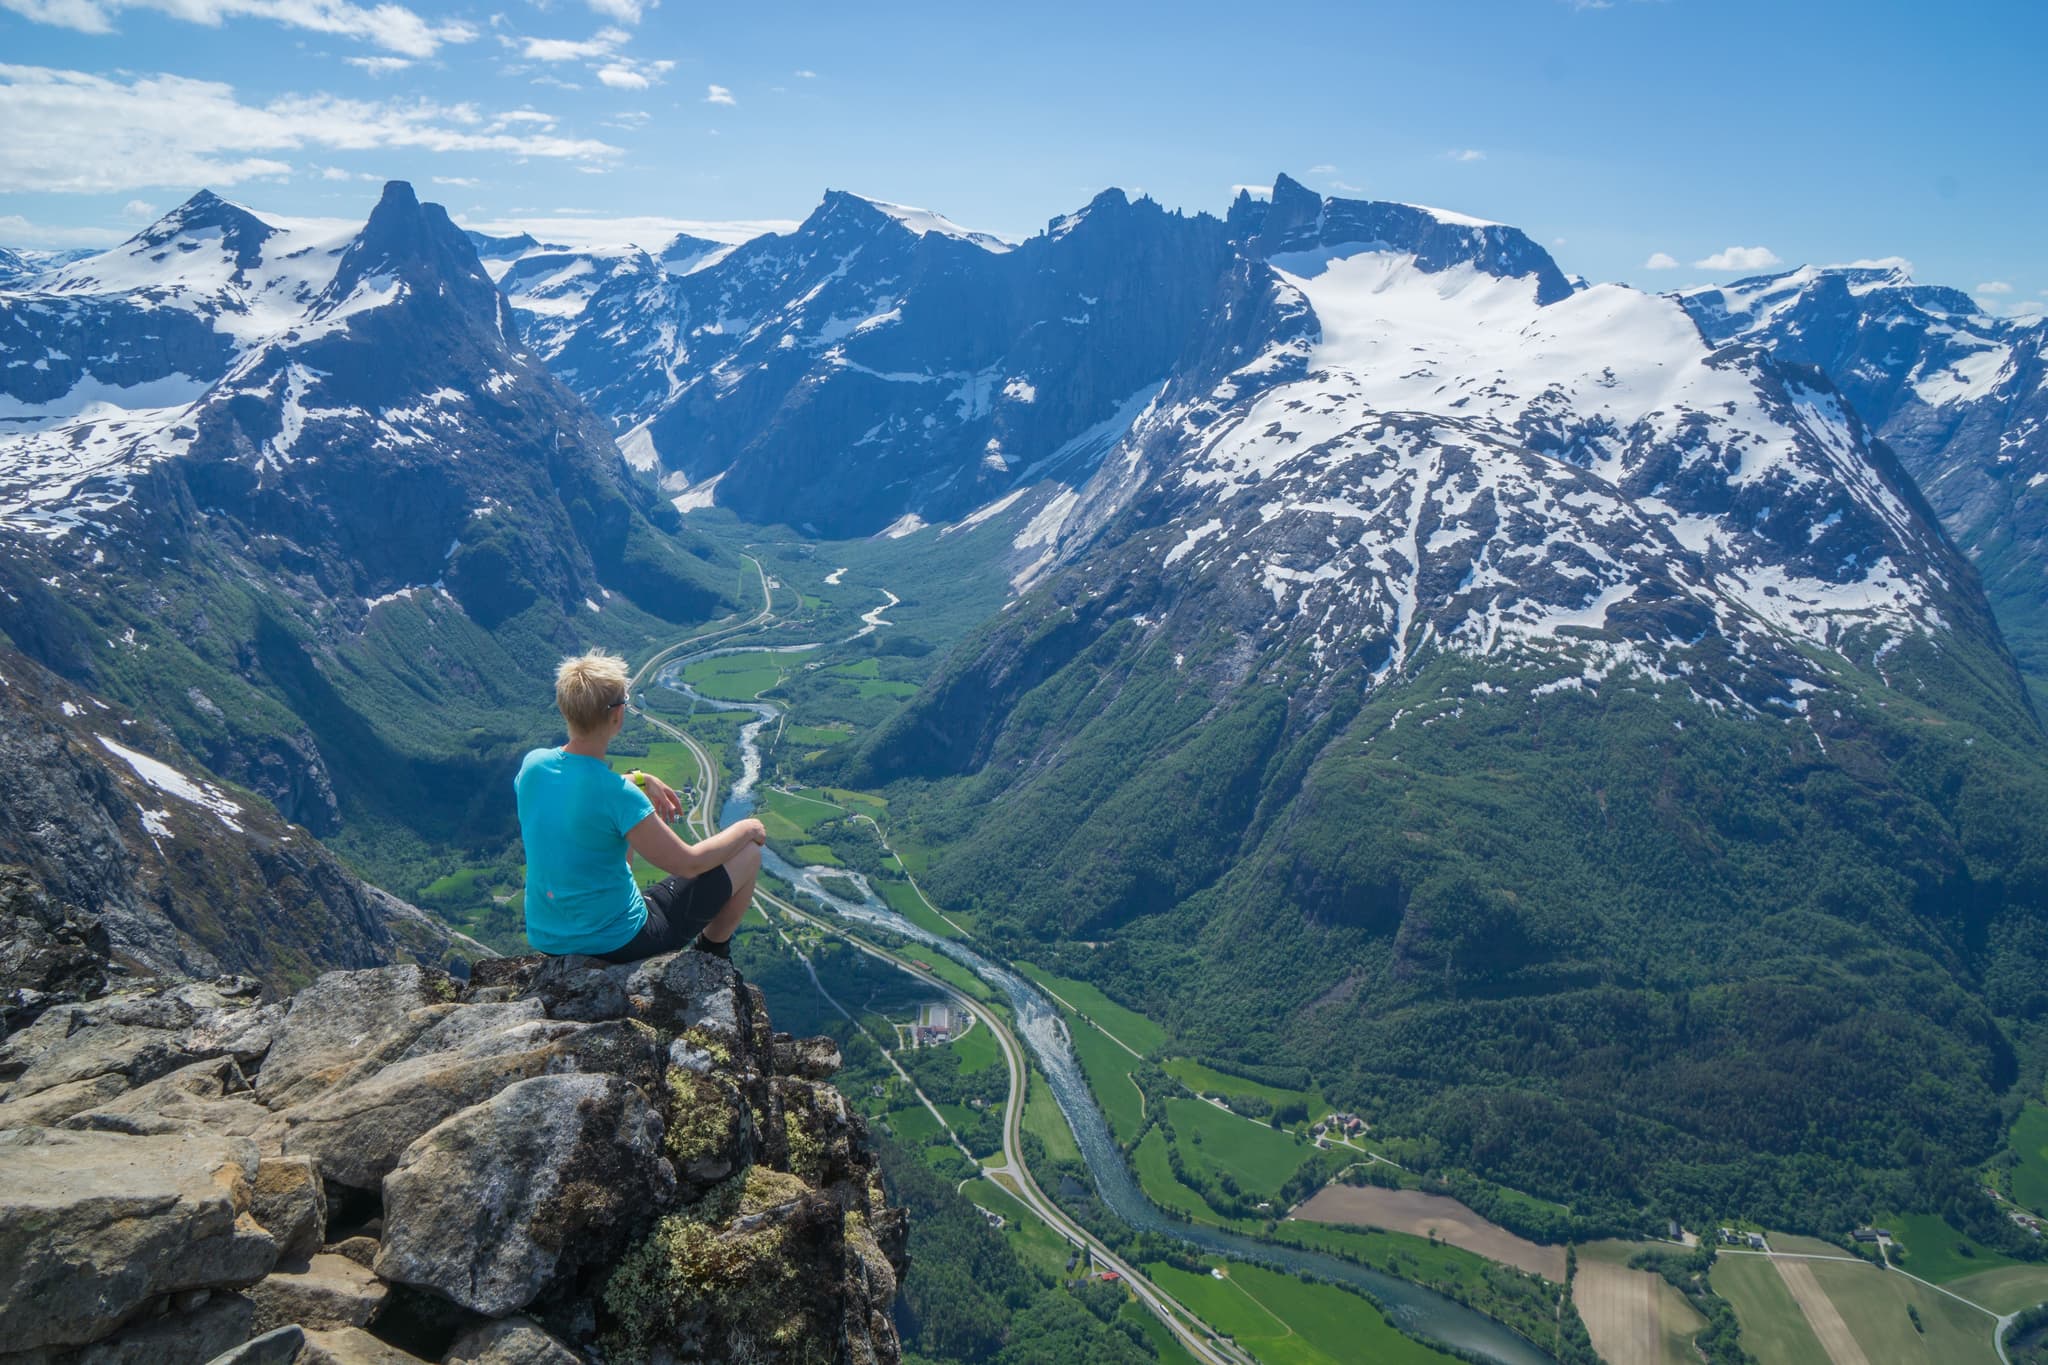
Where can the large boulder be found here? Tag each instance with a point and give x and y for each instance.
(348, 1024)
(95, 1227)
(546, 1176)
(509, 1341)
(325, 1292)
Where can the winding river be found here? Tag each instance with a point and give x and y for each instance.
(1419, 1311)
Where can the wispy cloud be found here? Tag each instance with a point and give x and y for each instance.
(1347, 187)
(380, 66)
(1661, 260)
(458, 181)
(1322, 170)
(718, 94)
(392, 27)
(1993, 287)
(624, 73)
(1739, 258)
(19, 231)
(625, 11)
(71, 132)
(139, 209)
(1255, 191)
(807, 75)
(603, 43)
(1465, 154)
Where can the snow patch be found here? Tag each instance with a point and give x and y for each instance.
(170, 781)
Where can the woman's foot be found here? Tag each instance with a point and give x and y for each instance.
(716, 948)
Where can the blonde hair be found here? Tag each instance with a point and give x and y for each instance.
(587, 687)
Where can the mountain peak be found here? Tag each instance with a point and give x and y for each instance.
(916, 221)
(419, 244)
(1298, 221)
(242, 232)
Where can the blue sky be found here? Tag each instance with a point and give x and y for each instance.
(1721, 131)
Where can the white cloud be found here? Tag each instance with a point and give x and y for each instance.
(2027, 310)
(1740, 258)
(1993, 287)
(70, 132)
(379, 66)
(1255, 191)
(718, 94)
(587, 229)
(16, 230)
(625, 11)
(458, 181)
(627, 74)
(1899, 263)
(1347, 187)
(1322, 170)
(632, 120)
(140, 209)
(390, 26)
(603, 43)
(807, 75)
(1466, 154)
(1661, 260)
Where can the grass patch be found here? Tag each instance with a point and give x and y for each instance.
(1164, 1343)
(1034, 1242)
(947, 970)
(914, 1126)
(1108, 1068)
(1773, 1328)
(903, 898)
(2029, 1142)
(1937, 1252)
(1258, 1157)
(1042, 1117)
(738, 677)
(817, 736)
(815, 855)
(1874, 1306)
(1155, 1177)
(2006, 1289)
(1286, 1321)
(1207, 1079)
(976, 1048)
(1137, 1031)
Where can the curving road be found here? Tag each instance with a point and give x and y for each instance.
(1012, 1174)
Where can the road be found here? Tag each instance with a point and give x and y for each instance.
(1011, 1174)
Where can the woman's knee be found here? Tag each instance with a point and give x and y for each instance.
(745, 864)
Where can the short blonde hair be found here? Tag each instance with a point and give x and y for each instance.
(587, 687)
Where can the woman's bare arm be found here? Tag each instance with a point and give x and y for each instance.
(658, 844)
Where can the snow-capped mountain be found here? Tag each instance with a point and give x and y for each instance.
(549, 284)
(881, 364)
(1962, 396)
(235, 425)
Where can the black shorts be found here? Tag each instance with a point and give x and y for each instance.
(676, 910)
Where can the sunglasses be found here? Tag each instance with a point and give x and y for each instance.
(626, 701)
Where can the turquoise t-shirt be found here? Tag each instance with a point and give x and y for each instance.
(574, 812)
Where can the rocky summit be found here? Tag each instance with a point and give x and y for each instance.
(558, 1160)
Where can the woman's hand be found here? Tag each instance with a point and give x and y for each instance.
(753, 831)
(666, 803)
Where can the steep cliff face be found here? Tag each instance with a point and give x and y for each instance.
(127, 863)
(558, 1161)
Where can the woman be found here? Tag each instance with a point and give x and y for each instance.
(578, 818)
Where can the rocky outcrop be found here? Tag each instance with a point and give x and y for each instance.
(559, 1160)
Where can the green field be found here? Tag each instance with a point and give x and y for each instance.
(2006, 1289)
(1042, 1116)
(1937, 1252)
(814, 855)
(1164, 1343)
(1155, 1176)
(1133, 1028)
(1285, 1321)
(2029, 1141)
(668, 759)
(789, 818)
(738, 677)
(815, 736)
(1108, 1069)
(976, 1048)
(1773, 1328)
(1259, 1157)
(914, 1126)
(1874, 1305)
(903, 898)
(1201, 1079)
(947, 970)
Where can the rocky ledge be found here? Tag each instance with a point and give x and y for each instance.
(556, 1161)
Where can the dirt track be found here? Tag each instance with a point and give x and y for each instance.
(1414, 1212)
(1620, 1310)
(1821, 1314)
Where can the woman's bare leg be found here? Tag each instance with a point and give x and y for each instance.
(744, 869)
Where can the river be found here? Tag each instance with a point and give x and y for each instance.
(1420, 1311)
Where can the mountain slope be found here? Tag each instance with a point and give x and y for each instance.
(163, 873)
(1960, 395)
(1452, 671)
(297, 490)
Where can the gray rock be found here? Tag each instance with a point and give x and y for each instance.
(93, 1226)
(574, 987)
(498, 1201)
(509, 1341)
(136, 1054)
(361, 1249)
(187, 1337)
(328, 1291)
(349, 1024)
(685, 992)
(352, 1346)
(814, 1059)
(279, 1347)
(48, 1108)
(288, 1199)
(358, 1130)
